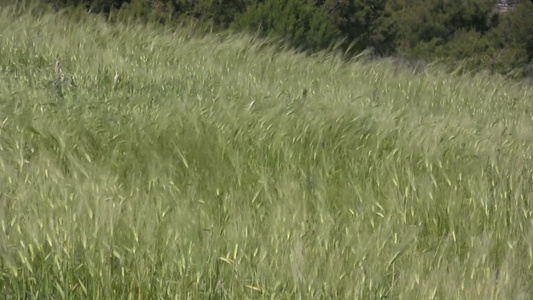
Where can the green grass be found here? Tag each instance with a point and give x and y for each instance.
(376, 183)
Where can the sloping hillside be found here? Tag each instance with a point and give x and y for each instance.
(230, 167)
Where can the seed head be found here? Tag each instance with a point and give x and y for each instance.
(58, 67)
(251, 105)
(116, 79)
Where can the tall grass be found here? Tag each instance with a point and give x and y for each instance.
(228, 167)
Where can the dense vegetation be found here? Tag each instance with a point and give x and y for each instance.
(230, 167)
(464, 35)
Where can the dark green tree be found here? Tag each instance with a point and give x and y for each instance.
(220, 12)
(365, 22)
(421, 22)
(303, 23)
(513, 41)
(96, 6)
(515, 29)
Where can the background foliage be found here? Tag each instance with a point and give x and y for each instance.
(466, 35)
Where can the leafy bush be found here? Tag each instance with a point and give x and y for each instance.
(367, 22)
(515, 28)
(510, 60)
(469, 48)
(302, 23)
(423, 21)
(220, 13)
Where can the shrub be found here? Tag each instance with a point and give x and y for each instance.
(515, 28)
(301, 23)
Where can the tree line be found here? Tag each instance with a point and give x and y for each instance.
(473, 35)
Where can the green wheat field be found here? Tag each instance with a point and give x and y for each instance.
(159, 163)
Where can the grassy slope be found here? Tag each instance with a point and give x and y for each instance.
(375, 183)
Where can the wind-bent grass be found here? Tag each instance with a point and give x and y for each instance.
(207, 172)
